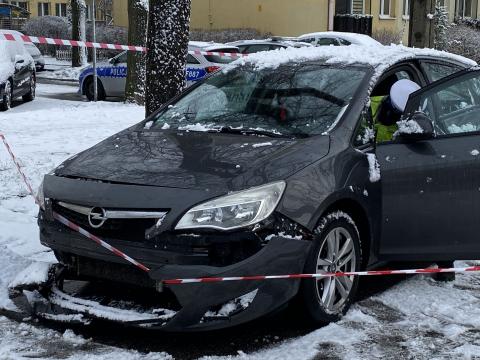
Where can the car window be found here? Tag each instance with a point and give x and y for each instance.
(454, 107)
(257, 48)
(191, 60)
(121, 58)
(276, 47)
(344, 42)
(327, 41)
(289, 100)
(436, 71)
(221, 59)
(310, 40)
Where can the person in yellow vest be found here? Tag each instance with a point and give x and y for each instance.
(388, 109)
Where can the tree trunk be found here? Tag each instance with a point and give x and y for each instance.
(79, 9)
(137, 20)
(168, 33)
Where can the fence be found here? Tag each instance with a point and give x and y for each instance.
(66, 54)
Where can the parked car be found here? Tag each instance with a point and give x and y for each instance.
(254, 46)
(112, 75)
(17, 73)
(36, 55)
(271, 168)
(337, 38)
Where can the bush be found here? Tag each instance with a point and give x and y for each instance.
(463, 40)
(387, 37)
(47, 26)
(226, 35)
(109, 35)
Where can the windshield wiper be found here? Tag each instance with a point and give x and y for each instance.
(261, 132)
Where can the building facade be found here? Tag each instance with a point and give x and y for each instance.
(278, 17)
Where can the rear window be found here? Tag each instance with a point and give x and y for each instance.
(225, 59)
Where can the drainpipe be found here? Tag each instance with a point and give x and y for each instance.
(331, 14)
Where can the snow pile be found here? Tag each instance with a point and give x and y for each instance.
(373, 168)
(35, 273)
(67, 74)
(474, 152)
(379, 57)
(409, 127)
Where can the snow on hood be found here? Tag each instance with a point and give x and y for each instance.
(378, 57)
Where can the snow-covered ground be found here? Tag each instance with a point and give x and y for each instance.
(415, 319)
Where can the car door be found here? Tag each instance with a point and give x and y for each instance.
(116, 76)
(431, 188)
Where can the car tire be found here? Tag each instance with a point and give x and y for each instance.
(30, 96)
(326, 300)
(7, 97)
(89, 90)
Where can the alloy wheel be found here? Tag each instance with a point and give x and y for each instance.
(337, 254)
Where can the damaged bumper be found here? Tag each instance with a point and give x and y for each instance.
(200, 306)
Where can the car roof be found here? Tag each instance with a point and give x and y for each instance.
(8, 31)
(377, 57)
(359, 39)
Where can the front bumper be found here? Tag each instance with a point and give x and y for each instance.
(281, 255)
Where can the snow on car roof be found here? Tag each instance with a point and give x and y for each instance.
(378, 57)
(359, 39)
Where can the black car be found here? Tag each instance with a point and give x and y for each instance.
(17, 74)
(269, 167)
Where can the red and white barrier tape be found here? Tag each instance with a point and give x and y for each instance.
(139, 265)
(318, 276)
(88, 44)
(67, 222)
(75, 43)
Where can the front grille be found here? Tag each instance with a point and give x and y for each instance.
(127, 229)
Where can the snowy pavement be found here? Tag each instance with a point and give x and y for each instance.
(413, 319)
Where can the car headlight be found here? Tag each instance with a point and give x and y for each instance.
(236, 210)
(41, 197)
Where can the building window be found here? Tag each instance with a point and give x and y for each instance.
(357, 6)
(43, 9)
(464, 8)
(61, 10)
(406, 8)
(385, 8)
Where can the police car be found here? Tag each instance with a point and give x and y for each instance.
(112, 75)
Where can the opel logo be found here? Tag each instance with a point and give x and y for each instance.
(97, 217)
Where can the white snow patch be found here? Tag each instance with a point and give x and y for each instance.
(409, 127)
(35, 273)
(262, 144)
(373, 168)
(474, 152)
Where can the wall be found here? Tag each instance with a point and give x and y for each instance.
(120, 12)
(279, 17)
(396, 23)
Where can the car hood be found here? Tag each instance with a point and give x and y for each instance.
(193, 160)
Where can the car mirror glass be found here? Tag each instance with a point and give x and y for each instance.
(415, 127)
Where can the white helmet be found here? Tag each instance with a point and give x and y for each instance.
(400, 91)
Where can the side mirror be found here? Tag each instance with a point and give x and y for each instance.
(416, 127)
(113, 61)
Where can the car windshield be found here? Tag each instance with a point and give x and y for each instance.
(298, 100)
(32, 49)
